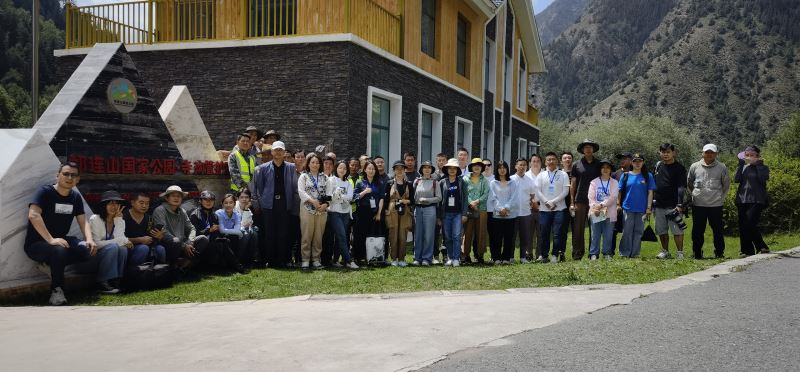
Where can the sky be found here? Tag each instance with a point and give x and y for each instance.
(539, 5)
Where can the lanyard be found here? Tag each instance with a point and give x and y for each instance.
(604, 188)
(316, 181)
(553, 177)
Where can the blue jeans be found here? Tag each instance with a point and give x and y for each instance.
(425, 224)
(141, 252)
(340, 222)
(451, 228)
(109, 262)
(602, 230)
(551, 222)
(631, 242)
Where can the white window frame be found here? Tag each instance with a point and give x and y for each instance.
(522, 81)
(467, 134)
(522, 148)
(395, 120)
(436, 132)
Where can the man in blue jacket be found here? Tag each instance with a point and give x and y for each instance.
(272, 191)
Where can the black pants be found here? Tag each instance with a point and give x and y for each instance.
(205, 254)
(501, 238)
(749, 235)
(58, 257)
(713, 216)
(364, 226)
(328, 244)
(565, 227)
(276, 234)
(294, 238)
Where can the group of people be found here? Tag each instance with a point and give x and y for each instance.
(314, 210)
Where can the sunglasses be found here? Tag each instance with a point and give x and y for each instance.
(70, 175)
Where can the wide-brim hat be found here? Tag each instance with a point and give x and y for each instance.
(259, 132)
(272, 132)
(110, 195)
(585, 142)
(174, 189)
(427, 163)
(476, 161)
(452, 163)
(208, 195)
(398, 163)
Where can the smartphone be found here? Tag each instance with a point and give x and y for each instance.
(158, 226)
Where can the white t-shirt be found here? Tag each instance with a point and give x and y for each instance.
(552, 186)
(526, 187)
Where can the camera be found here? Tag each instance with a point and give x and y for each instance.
(324, 199)
(675, 216)
(400, 208)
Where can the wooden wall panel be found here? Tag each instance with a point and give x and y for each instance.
(444, 65)
(321, 17)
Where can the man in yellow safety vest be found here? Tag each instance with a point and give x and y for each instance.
(241, 164)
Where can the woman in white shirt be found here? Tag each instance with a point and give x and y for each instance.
(311, 187)
(340, 213)
(108, 232)
(505, 208)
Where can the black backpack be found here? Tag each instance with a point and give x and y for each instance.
(148, 275)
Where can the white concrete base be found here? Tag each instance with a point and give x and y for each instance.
(186, 126)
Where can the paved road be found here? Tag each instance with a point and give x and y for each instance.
(749, 321)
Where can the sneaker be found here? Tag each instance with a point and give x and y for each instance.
(592, 257)
(402, 264)
(317, 265)
(679, 255)
(106, 287)
(456, 263)
(337, 265)
(508, 262)
(57, 297)
(663, 255)
(540, 259)
(554, 259)
(352, 265)
(764, 251)
(523, 260)
(562, 258)
(609, 257)
(480, 261)
(415, 263)
(426, 263)
(304, 265)
(498, 262)
(436, 262)
(449, 262)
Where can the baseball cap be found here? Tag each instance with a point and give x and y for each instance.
(278, 145)
(710, 147)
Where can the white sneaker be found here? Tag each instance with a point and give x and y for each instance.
(609, 257)
(553, 259)
(395, 263)
(317, 265)
(523, 260)
(426, 263)
(402, 264)
(352, 265)
(448, 262)
(57, 297)
(337, 265)
(436, 262)
(456, 263)
(497, 262)
(540, 259)
(679, 255)
(663, 255)
(593, 258)
(304, 265)
(415, 263)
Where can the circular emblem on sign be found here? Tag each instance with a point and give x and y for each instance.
(122, 95)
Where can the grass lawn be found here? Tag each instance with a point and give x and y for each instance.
(269, 283)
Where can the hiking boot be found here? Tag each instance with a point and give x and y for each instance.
(663, 255)
(106, 287)
(57, 297)
(679, 255)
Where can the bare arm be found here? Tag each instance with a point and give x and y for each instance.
(35, 216)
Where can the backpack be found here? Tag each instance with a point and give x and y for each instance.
(148, 275)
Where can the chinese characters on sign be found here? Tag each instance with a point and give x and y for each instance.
(145, 166)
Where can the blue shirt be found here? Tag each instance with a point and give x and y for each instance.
(636, 189)
(230, 226)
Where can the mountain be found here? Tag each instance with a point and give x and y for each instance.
(727, 69)
(557, 17)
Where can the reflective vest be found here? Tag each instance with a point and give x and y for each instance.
(246, 168)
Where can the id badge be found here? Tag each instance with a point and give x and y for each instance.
(451, 201)
(63, 208)
(551, 189)
(372, 204)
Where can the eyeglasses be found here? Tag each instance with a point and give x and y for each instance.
(70, 175)
(488, 165)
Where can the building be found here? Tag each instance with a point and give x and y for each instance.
(360, 76)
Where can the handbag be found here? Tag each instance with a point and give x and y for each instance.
(376, 250)
(148, 275)
(649, 235)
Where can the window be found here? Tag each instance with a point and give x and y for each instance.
(487, 149)
(522, 148)
(381, 108)
(490, 66)
(533, 148)
(522, 82)
(506, 148)
(428, 27)
(430, 133)
(507, 79)
(463, 134)
(462, 47)
(384, 111)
